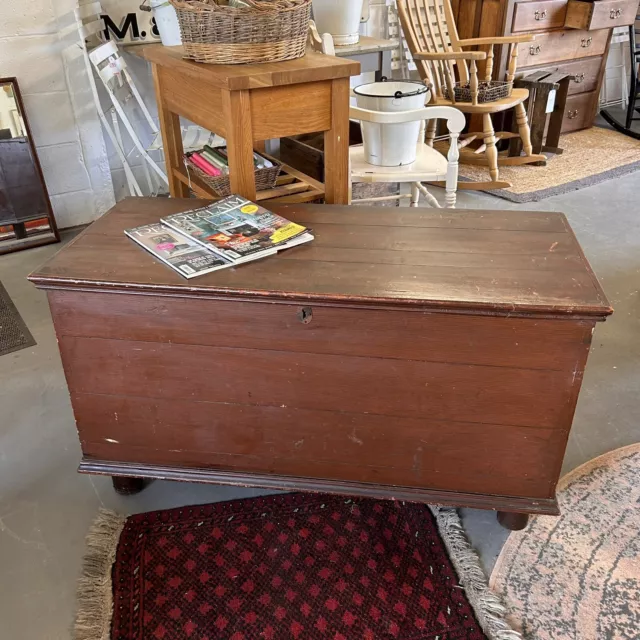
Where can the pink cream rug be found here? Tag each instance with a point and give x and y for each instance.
(577, 577)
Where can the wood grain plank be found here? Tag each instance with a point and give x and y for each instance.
(451, 392)
(436, 287)
(186, 96)
(403, 335)
(170, 130)
(318, 252)
(488, 270)
(312, 67)
(428, 219)
(284, 111)
(336, 146)
(237, 111)
(514, 461)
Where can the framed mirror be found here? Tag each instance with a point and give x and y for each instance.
(26, 217)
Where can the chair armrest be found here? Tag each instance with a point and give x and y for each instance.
(470, 42)
(451, 55)
(455, 119)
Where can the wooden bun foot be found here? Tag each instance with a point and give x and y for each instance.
(126, 486)
(513, 521)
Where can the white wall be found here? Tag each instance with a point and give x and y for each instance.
(38, 45)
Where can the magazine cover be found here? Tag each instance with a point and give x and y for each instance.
(184, 255)
(238, 229)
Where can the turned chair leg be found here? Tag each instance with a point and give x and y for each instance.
(523, 129)
(429, 197)
(431, 132)
(452, 171)
(415, 195)
(489, 137)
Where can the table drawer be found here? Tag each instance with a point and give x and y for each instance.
(543, 14)
(578, 112)
(558, 46)
(600, 15)
(585, 74)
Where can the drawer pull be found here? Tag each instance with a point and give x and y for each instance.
(578, 78)
(615, 13)
(572, 114)
(534, 50)
(305, 315)
(541, 15)
(586, 42)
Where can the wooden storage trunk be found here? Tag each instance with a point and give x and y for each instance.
(405, 353)
(306, 153)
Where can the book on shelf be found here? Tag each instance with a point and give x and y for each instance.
(223, 234)
(181, 253)
(238, 229)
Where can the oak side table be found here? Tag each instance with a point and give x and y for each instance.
(416, 354)
(247, 104)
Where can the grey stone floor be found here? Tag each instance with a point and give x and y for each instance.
(46, 508)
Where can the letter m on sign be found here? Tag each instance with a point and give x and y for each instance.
(129, 22)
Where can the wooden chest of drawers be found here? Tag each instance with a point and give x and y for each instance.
(571, 36)
(405, 353)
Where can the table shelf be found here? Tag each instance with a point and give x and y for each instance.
(292, 186)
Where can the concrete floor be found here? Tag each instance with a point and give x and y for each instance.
(46, 508)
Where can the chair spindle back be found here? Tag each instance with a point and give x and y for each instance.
(429, 25)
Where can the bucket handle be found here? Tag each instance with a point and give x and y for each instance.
(399, 94)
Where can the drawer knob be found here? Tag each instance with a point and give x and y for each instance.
(534, 50)
(305, 315)
(586, 42)
(578, 78)
(615, 13)
(572, 114)
(540, 15)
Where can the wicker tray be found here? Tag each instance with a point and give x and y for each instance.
(264, 31)
(265, 178)
(487, 91)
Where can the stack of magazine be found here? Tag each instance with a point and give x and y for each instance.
(224, 234)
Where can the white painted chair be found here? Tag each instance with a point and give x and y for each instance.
(429, 166)
(110, 66)
(90, 26)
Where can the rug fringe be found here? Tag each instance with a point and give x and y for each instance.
(488, 607)
(95, 596)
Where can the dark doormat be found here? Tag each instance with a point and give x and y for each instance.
(286, 567)
(14, 334)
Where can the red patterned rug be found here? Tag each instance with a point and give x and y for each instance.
(291, 566)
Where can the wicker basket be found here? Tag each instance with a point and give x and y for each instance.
(264, 31)
(487, 91)
(265, 178)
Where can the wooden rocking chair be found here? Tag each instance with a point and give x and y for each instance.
(431, 34)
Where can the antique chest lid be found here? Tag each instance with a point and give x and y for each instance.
(473, 261)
